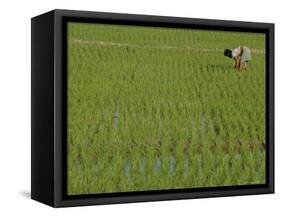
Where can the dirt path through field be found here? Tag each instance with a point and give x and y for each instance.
(117, 44)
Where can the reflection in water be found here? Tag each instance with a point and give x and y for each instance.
(172, 165)
(158, 168)
(96, 167)
(127, 169)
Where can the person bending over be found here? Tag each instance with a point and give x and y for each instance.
(241, 56)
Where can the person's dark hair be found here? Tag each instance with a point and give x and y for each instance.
(228, 53)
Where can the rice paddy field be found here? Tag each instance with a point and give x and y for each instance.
(154, 108)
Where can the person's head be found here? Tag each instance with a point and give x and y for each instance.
(228, 53)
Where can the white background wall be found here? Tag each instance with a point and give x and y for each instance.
(15, 106)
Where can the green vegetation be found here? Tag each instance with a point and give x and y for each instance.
(158, 108)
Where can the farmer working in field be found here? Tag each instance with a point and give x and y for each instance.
(241, 56)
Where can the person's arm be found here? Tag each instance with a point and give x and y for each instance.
(239, 67)
(236, 62)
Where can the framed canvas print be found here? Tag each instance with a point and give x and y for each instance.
(130, 108)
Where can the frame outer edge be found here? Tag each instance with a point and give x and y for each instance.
(272, 107)
(57, 110)
(59, 201)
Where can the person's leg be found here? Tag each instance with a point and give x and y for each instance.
(245, 66)
(239, 66)
(242, 67)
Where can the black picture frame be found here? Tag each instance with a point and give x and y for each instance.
(49, 116)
